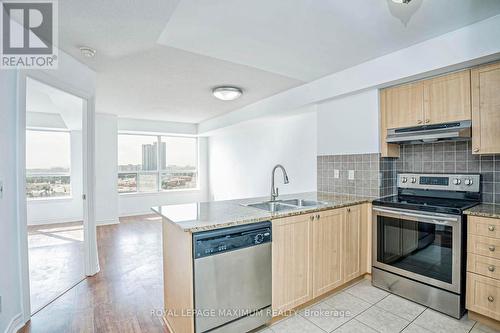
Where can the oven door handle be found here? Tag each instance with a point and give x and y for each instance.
(435, 219)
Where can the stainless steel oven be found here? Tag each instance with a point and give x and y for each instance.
(418, 245)
(419, 239)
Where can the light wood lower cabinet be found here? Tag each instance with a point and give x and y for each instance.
(292, 262)
(355, 241)
(316, 253)
(327, 251)
(483, 269)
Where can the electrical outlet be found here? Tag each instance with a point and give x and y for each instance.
(336, 173)
(351, 175)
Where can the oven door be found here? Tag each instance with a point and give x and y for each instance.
(425, 247)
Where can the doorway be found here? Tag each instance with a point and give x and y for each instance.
(54, 188)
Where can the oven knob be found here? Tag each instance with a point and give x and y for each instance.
(404, 180)
(457, 181)
(413, 180)
(259, 238)
(468, 182)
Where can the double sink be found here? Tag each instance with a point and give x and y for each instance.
(283, 205)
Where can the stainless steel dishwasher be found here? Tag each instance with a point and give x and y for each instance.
(232, 278)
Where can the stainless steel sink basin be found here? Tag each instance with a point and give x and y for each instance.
(281, 205)
(302, 202)
(271, 206)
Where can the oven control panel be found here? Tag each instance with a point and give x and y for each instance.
(446, 182)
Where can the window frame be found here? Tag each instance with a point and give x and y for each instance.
(158, 172)
(68, 174)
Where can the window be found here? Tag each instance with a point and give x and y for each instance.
(149, 163)
(48, 161)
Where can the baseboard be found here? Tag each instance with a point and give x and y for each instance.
(15, 324)
(148, 212)
(107, 222)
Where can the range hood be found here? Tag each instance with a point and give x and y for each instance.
(460, 130)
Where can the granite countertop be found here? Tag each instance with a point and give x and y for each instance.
(201, 216)
(484, 210)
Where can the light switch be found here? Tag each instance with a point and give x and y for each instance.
(351, 175)
(336, 173)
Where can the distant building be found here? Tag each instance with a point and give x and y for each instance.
(150, 157)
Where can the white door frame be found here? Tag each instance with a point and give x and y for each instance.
(91, 263)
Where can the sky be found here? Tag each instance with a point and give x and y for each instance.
(45, 150)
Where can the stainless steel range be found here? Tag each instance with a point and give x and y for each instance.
(419, 239)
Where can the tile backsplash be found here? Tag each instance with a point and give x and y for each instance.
(452, 157)
(375, 176)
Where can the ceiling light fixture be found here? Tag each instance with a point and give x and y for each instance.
(87, 52)
(227, 93)
(401, 1)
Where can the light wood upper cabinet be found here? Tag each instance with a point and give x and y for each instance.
(292, 262)
(447, 98)
(404, 105)
(486, 109)
(354, 242)
(328, 243)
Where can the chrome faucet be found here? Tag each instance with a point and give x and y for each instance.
(275, 191)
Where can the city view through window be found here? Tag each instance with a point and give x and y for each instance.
(149, 163)
(48, 174)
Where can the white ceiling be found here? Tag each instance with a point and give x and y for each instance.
(308, 39)
(49, 107)
(159, 59)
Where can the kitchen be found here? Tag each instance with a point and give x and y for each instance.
(235, 181)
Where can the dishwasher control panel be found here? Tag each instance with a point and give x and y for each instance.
(210, 243)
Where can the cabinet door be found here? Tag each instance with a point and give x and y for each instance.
(386, 149)
(292, 267)
(447, 98)
(486, 109)
(353, 240)
(404, 105)
(327, 250)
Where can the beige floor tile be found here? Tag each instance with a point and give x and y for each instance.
(367, 292)
(412, 328)
(328, 317)
(440, 323)
(295, 324)
(382, 321)
(354, 326)
(480, 328)
(401, 307)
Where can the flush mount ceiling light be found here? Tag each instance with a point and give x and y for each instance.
(401, 1)
(227, 93)
(87, 52)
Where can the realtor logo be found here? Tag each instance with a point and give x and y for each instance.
(29, 34)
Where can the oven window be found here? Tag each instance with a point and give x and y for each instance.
(421, 248)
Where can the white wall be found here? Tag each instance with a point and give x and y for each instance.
(242, 156)
(349, 125)
(106, 168)
(59, 210)
(10, 287)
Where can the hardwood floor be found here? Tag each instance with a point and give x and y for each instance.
(125, 296)
(56, 260)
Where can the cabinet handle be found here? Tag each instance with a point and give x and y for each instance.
(427, 121)
(491, 268)
(311, 217)
(318, 217)
(348, 210)
(419, 121)
(476, 150)
(491, 228)
(491, 248)
(491, 299)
